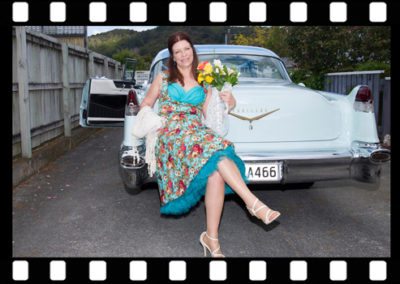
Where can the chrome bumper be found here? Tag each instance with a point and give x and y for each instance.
(297, 167)
(361, 163)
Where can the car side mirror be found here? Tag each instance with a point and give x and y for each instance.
(301, 84)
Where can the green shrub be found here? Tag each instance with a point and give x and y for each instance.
(374, 65)
(313, 81)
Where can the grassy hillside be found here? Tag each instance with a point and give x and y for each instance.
(144, 45)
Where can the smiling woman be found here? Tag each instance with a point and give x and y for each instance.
(192, 159)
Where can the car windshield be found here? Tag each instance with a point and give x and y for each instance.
(250, 66)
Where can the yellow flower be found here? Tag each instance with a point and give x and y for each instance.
(208, 68)
(209, 79)
(200, 78)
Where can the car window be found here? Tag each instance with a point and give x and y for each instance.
(250, 66)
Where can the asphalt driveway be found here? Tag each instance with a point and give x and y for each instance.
(77, 207)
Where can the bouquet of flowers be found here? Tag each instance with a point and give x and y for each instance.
(218, 75)
(220, 78)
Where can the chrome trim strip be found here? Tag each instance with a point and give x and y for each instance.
(294, 156)
(104, 119)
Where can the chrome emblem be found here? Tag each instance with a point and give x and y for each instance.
(251, 119)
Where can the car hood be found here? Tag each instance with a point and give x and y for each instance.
(296, 113)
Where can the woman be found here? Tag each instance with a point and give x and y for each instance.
(192, 160)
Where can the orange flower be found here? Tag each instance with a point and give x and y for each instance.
(202, 65)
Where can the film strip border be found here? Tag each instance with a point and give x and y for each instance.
(211, 12)
(320, 270)
(240, 270)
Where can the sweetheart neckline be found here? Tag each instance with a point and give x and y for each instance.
(184, 88)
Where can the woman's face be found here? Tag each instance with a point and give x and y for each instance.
(182, 53)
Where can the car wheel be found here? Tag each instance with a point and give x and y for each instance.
(131, 180)
(132, 189)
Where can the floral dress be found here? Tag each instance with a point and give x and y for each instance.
(187, 152)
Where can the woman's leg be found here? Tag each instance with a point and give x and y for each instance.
(231, 175)
(214, 203)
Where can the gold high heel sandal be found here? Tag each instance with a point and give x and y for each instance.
(205, 246)
(268, 214)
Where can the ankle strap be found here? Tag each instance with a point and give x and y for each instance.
(254, 204)
(214, 239)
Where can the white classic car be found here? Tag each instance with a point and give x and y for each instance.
(284, 132)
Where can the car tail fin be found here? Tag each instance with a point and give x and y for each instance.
(364, 100)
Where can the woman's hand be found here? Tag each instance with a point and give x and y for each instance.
(228, 98)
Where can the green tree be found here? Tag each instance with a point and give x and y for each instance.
(337, 48)
(273, 38)
(277, 40)
(142, 61)
(258, 37)
(318, 50)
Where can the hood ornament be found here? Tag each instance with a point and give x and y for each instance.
(251, 119)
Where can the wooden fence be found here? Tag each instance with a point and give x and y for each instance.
(47, 81)
(344, 82)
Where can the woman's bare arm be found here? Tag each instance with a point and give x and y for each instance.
(153, 92)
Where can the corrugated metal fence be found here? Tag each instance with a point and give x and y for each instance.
(344, 82)
(48, 77)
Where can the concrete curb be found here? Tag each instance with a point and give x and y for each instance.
(24, 168)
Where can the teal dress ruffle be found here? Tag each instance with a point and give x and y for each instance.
(197, 186)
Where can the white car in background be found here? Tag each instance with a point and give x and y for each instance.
(284, 132)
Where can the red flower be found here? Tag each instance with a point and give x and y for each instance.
(209, 137)
(202, 65)
(169, 187)
(193, 110)
(183, 147)
(182, 115)
(182, 188)
(162, 148)
(170, 163)
(197, 148)
(182, 185)
(177, 131)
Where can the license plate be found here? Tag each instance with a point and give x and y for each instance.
(264, 171)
